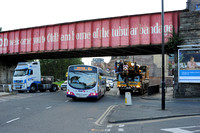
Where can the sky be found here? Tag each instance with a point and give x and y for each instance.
(17, 14)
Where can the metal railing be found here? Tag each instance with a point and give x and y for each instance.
(6, 87)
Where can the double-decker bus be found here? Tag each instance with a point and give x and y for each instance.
(86, 82)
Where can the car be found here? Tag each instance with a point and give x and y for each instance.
(107, 86)
(64, 86)
(111, 82)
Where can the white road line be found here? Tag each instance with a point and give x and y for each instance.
(109, 126)
(120, 129)
(3, 100)
(13, 120)
(99, 122)
(107, 130)
(181, 129)
(49, 107)
(189, 127)
(66, 101)
(121, 125)
(176, 130)
(196, 131)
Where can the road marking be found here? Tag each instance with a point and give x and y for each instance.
(13, 120)
(27, 108)
(109, 126)
(49, 107)
(120, 129)
(67, 101)
(107, 130)
(181, 129)
(3, 100)
(97, 130)
(118, 93)
(100, 121)
(121, 125)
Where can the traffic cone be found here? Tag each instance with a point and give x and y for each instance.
(128, 100)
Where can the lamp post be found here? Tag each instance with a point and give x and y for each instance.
(163, 59)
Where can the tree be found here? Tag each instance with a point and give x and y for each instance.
(57, 67)
(173, 41)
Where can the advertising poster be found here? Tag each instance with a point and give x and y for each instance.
(189, 65)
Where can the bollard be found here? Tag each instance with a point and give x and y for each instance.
(128, 100)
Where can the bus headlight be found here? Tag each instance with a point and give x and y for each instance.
(70, 93)
(93, 94)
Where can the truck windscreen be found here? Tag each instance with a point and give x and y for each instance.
(20, 72)
(135, 78)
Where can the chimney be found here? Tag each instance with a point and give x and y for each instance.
(187, 4)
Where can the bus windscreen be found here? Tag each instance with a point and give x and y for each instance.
(82, 77)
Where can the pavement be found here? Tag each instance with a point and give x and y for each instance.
(5, 94)
(150, 108)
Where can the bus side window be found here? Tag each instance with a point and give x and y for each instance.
(102, 79)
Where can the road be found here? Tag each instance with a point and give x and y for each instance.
(55, 113)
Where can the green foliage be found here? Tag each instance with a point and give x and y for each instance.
(173, 42)
(169, 66)
(57, 67)
(59, 83)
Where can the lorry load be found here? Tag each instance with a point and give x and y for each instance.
(132, 77)
(27, 77)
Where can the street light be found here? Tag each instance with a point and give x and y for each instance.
(163, 59)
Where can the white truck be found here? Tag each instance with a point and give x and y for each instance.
(27, 77)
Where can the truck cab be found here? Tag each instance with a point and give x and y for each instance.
(27, 77)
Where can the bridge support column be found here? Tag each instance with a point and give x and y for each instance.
(6, 72)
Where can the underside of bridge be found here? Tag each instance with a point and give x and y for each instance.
(92, 52)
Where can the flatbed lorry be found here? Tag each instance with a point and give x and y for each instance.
(27, 77)
(132, 77)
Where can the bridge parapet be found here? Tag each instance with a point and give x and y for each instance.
(126, 31)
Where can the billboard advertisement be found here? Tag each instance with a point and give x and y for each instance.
(189, 65)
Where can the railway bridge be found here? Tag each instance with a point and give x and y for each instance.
(116, 36)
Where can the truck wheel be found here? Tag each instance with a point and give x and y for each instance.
(33, 89)
(40, 88)
(53, 88)
(141, 91)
